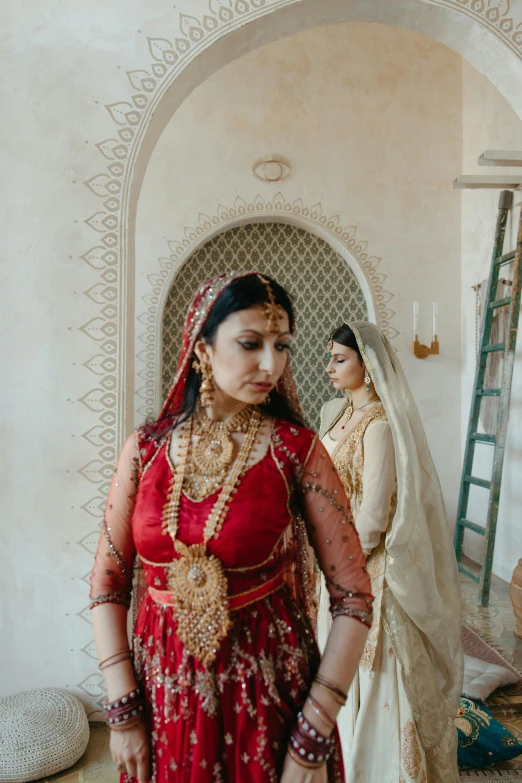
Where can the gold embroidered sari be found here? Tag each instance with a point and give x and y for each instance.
(354, 456)
(414, 577)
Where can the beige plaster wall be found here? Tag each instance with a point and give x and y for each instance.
(489, 123)
(62, 62)
(370, 118)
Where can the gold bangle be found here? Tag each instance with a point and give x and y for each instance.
(332, 693)
(119, 652)
(119, 660)
(332, 685)
(130, 725)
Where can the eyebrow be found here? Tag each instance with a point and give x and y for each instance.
(338, 354)
(260, 334)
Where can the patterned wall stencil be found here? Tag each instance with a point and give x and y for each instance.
(324, 290)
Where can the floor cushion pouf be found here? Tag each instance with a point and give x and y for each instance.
(482, 678)
(41, 732)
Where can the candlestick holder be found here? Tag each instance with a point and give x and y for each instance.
(423, 351)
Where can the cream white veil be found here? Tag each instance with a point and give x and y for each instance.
(422, 599)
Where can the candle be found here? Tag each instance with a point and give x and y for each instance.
(435, 319)
(415, 320)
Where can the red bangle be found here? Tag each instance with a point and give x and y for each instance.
(307, 746)
(125, 711)
(321, 711)
(332, 687)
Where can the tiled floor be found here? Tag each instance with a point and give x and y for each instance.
(495, 622)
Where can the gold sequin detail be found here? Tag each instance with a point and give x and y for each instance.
(411, 752)
(348, 458)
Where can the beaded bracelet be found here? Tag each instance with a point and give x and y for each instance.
(302, 762)
(307, 727)
(307, 746)
(125, 711)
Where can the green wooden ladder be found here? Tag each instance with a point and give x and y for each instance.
(497, 441)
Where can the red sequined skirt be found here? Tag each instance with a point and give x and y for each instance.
(229, 723)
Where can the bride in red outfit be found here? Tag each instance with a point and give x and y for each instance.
(219, 498)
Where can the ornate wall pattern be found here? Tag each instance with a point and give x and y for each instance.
(148, 323)
(108, 257)
(323, 288)
(497, 16)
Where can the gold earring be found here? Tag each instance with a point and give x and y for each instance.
(367, 381)
(206, 390)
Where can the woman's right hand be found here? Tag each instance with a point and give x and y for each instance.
(130, 751)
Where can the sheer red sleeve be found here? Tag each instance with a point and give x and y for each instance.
(111, 578)
(334, 538)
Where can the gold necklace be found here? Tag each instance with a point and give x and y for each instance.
(351, 410)
(213, 453)
(197, 579)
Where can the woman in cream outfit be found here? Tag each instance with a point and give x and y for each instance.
(398, 723)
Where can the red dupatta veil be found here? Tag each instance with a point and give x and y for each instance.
(303, 575)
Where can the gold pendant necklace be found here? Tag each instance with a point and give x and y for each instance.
(351, 410)
(213, 453)
(197, 579)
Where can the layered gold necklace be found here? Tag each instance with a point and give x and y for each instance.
(213, 452)
(197, 579)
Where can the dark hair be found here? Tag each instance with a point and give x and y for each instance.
(241, 294)
(344, 335)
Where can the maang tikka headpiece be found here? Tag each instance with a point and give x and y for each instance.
(329, 347)
(273, 311)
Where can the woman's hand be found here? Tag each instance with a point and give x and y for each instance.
(295, 773)
(130, 751)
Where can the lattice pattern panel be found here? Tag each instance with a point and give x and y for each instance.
(324, 290)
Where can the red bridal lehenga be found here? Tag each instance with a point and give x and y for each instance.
(230, 721)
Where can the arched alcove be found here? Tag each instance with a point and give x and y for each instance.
(324, 290)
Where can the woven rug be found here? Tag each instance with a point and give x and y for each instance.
(476, 646)
(499, 775)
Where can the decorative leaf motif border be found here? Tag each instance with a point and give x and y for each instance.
(278, 209)
(496, 16)
(112, 185)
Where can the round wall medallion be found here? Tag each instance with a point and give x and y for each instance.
(272, 168)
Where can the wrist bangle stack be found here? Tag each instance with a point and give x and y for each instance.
(307, 746)
(125, 712)
(335, 692)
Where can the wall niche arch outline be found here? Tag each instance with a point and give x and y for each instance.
(341, 240)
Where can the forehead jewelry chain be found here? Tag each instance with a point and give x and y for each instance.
(273, 311)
